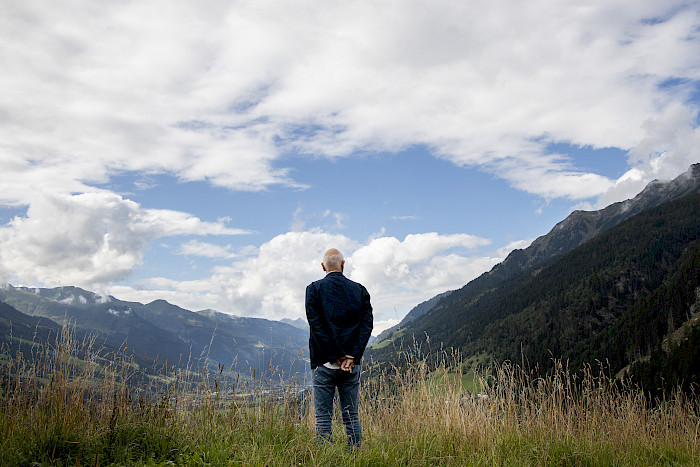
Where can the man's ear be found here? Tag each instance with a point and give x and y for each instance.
(342, 265)
(323, 266)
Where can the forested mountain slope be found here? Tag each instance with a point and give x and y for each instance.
(162, 331)
(612, 299)
(576, 229)
(415, 313)
(32, 341)
(21, 331)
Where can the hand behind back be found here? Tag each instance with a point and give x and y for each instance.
(346, 363)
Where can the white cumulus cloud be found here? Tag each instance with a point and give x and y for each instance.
(398, 274)
(89, 239)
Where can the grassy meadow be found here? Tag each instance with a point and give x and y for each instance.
(62, 403)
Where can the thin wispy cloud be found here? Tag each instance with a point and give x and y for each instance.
(207, 250)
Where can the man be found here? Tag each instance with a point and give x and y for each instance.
(340, 323)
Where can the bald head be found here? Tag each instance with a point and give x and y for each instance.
(333, 261)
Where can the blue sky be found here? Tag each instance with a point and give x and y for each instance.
(209, 153)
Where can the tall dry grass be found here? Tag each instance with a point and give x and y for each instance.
(66, 403)
(588, 409)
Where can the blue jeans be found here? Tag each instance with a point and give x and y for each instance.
(348, 383)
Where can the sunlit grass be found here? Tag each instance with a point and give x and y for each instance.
(66, 405)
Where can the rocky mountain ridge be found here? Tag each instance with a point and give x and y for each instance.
(576, 229)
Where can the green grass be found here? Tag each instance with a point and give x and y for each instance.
(390, 341)
(57, 410)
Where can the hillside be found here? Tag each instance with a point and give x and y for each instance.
(596, 302)
(30, 341)
(165, 332)
(19, 331)
(415, 312)
(612, 299)
(576, 229)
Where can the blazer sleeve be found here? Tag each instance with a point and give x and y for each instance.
(366, 326)
(319, 329)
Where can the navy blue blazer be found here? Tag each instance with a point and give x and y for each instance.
(340, 319)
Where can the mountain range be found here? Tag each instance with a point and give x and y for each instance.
(160, 331)
(576, 229)
(603, 286)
